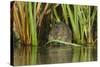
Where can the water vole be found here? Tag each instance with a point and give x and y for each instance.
(60, 31)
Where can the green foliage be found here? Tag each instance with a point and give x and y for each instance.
(31, 20)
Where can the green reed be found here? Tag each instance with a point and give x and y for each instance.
(28, 17)
(32, 18)
(81, 19)
(33, 26)
(24, 23)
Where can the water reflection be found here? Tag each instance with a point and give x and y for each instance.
(22, 56)
(48, 55)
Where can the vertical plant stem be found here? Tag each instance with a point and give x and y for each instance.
(33, 31)
(56, 15)
(64, 12)
(81, 23)
(93, 15)
(33, 24)
(89, 29)
(42, 15)
(74, 24)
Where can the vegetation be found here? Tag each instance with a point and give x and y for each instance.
(32, 22)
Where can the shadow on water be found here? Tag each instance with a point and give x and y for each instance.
(50, 55)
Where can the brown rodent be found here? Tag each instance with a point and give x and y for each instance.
(60, 31)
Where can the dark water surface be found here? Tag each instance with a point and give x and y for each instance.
(51, 55)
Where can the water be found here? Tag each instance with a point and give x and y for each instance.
(51, 55)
